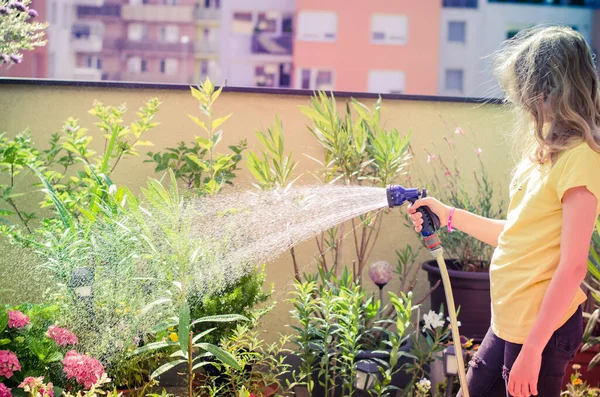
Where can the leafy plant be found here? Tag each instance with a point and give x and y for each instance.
(273, 169)
(335, 321)
(579, 388)
(358, 149)
(18, 32)
(261, 364)
(198, 165)
(186, 343)
(449, 184)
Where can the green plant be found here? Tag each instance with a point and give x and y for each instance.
(79, 194)
(578, 388)
(199, 166)
(18, 32)
(261, 364)
(335, 321)
(187, 343)
(240, 297)
(447, 182)
(358, 149)
(407, 267)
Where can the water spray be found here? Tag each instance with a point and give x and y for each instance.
(396, 196)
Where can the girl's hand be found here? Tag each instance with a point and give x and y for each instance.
(438, 208)
(524, 374)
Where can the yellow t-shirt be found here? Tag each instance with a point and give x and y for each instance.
(528, 249)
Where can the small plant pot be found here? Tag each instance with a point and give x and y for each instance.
(270, 390)
(471, 292)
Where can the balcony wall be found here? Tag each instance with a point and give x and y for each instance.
(158, 13)
(129, 45)
(44, 108)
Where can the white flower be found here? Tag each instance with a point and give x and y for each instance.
(112, 189)
(457, 323)
(424, 386)
(433, 320)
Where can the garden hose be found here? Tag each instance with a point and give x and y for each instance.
(398, 195)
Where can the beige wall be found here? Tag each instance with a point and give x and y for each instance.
(43, 109)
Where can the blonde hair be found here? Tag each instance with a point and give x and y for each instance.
(549, 74)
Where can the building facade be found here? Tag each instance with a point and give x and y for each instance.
(257, 43)
(471, 30)
(374, 46)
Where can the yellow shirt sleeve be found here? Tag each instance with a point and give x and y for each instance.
(578, 168)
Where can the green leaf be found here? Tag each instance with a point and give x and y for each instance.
(224, 356)
(197, 161)
(152, 305)
(6, 212)
(5, 341)
(212, 187)
(164, 326)
(222, 318)
(593, 362)
(166, 367)
(54, 357)
(591, 325)
(184, 327)
(202, 334)
(143, 143)
(198, 122)
(204, 143)
(152, 346)
(218, 122)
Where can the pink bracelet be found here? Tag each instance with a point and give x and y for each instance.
(450, 228)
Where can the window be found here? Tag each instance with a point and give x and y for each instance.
(460, 3)
(389, 29)
(317, 26)
(242, 22)
(204, 67)
(454, 80)
(93, 61)
(137, 32)
(267, 22)
(285, 75)
(169, 66)
(266, 75)
(287, 24)
(136, 65)
(316, 79)
(170, 2)
(387, 81)
(457, 31)
(168, 34)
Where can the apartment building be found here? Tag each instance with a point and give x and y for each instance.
(207, 41)
(471, 30)
(257, 43)
(375, 46)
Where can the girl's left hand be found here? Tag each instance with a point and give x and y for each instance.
(524, 374)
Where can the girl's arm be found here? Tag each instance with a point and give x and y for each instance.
(483, 229)
(579, 215)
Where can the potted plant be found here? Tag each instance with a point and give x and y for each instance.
(468, 259)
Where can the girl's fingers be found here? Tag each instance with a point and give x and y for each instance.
(416, 215)
(533, 389)
(525, 390)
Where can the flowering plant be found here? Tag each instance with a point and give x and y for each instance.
(472, 192)
(18, 30)
(578, 388)
(84, 369)
(36, 387)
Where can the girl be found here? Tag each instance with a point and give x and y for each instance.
(542, 247)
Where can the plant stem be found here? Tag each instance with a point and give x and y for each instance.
(14, 206)
(190, 366)
(295, 263)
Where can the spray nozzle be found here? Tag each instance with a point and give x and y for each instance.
(398, 195)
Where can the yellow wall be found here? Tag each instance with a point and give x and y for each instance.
(43, 109)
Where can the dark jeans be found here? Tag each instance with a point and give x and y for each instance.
(490, 367)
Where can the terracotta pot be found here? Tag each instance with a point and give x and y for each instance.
(270, 390)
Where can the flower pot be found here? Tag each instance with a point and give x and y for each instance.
(471, 292)
(270, 390)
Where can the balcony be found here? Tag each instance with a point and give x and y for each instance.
(206, 48)
(87, 37)
(207, 14)
(148, 46)
(272, 45)
(158, 13)
(89, 74)
(93, 3)
(147, 77)
(105, 10)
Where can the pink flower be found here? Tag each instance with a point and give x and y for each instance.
(62, 336)
(459, 130)
(448, 173)
(36, 387)
(479, 151)
(4, 391)
(9, 363)
(86, 370)
(431, 157)
(16, 319)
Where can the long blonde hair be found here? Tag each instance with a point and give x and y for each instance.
(549, 74)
